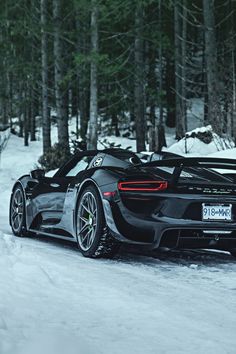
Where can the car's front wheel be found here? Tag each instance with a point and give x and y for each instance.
(17, 212)
(93, 236)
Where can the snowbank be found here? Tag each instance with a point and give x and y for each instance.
(229, 153)
(200, 142)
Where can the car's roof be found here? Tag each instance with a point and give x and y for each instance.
(110, 151)
(107, 157)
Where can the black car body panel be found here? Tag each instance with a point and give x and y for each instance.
(167, 215)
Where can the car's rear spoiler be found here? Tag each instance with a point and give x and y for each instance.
(202, 162)
(210, 162)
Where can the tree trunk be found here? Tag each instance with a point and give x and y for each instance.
(11, 98)
(33, 118)
(232, 123)
(26, 119)
(115, 124)
(214, 109)
(93, 116)
(170, 91)
(62, 118)
(19, 111)
(160, 136)
(7, 99)
(184, 63)
(180, 119)
(26, 127)
(160, 53)
(152, 84)
(44, 71)
(234, 97)
(84, 98)
(82, 76)
(139, 79)
(75, 108)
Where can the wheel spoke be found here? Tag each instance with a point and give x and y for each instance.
(84, 228)
(17, 218)
(19, 199)
(83, 219)
(93, 206)
(13, 207)
(86, 235)
(13, 211)
(91, 237)
(94, 212)
(90, 204)
(88, 239)
(86, 208)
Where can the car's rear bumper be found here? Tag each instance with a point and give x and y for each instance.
(158, 230)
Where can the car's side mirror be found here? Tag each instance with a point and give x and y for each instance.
(37, 174)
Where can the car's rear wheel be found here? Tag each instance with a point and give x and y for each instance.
(93, 236)
(17, 212)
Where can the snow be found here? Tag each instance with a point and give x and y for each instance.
(226, 154)
(50, 293)
(192, 146)
(54, 301)
(197, 130)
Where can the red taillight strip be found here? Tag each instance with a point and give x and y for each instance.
(155, 186)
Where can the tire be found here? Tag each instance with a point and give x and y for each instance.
(93, 237)
(17, 212)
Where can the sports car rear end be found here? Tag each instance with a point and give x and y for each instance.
(179, 203)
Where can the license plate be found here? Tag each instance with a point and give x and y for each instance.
(216, 212)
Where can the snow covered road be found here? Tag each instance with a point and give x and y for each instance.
(134, 304)
(52, 300)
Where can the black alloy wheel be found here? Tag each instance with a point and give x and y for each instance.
(17, 212)
(93, 236)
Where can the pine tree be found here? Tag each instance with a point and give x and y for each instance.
(213, 91)
(93, 116)
(60, 91)
(139, 108)
(44, 73)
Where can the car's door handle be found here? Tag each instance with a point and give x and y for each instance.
(54, 185)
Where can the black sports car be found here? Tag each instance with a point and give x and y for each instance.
(101, 199)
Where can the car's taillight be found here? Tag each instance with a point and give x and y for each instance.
(145, 186)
